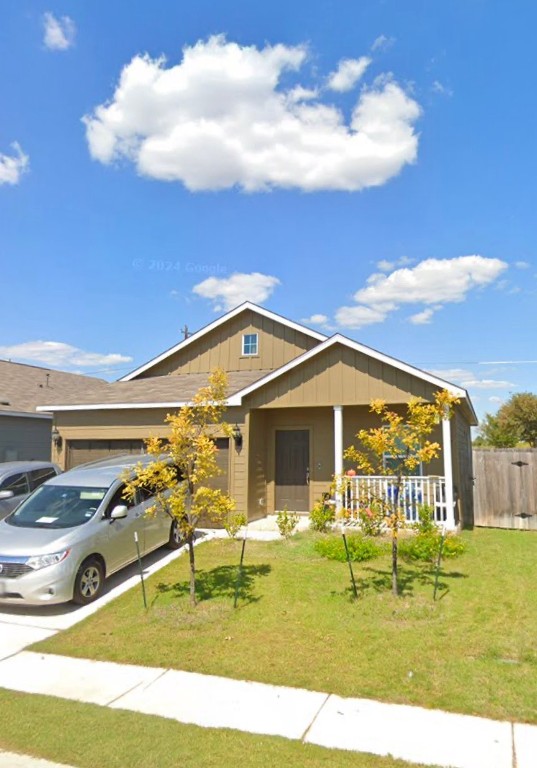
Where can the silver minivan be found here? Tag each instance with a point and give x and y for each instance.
(73, 531)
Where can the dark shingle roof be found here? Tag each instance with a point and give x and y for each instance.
(156, 389)
(24, 387)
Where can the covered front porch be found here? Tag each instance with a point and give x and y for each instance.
(295, 454)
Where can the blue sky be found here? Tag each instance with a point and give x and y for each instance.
(367, 167)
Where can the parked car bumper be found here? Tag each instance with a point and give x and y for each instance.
(46, 586)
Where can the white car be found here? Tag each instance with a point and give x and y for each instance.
(73, 531)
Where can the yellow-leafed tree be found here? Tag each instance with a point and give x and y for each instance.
(405, 439)
(179, 475)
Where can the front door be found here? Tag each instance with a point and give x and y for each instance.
(292, 470)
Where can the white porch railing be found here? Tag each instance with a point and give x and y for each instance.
(415, 491)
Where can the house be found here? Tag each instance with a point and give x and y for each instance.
(25, 434)
(296, 398)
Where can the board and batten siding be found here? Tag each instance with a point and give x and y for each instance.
(222, 348)
(341, 376)
(141, 423)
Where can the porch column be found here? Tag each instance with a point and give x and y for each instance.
(448, 473)
(338, 449)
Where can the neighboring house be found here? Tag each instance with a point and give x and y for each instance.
(25, 434)
(296, 398)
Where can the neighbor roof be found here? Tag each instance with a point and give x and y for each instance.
(248, 305)
(169, 391)
(24, 387)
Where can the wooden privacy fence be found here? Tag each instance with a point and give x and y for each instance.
(505, 488)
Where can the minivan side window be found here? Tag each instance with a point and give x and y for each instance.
(16, 483)
(39, 476)
(116, 500)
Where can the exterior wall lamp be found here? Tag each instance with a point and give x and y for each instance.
(56, 438)
(237, 436)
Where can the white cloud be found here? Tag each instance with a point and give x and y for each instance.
(358, 317)
(13, 166)
(315, 320)
(469, 380)
(228, 292)
(433, 283)
(221, 118)
(422, 318)
(382, 43)
(60, 355)
(347, 74)
(439, 87)
(59, 32)
(522, 265)
(387, 266)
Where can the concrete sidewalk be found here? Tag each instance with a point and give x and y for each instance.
(411, 733)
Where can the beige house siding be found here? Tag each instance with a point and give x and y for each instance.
(463, 468)
(131, 424)
(318, 421)
(341, 376)
(222, 348)
(257, 465)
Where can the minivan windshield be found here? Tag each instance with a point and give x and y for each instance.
(57, 506)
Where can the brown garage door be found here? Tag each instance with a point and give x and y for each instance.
(83, 451)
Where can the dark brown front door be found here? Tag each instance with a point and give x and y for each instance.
(292, 469)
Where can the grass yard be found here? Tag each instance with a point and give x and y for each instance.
(471, 651)
(86, 736)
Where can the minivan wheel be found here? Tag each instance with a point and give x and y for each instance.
(175, 540)
(89, 582)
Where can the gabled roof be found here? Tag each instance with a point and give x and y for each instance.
(338, 338)
(24, 387)
(153, 392)
(248, 305)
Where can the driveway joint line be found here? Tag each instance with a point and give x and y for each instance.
(315, 716)
(134, 687)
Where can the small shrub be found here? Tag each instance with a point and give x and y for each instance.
(234, 522)
(425, 546)
(360, 548)
(286, 522)
(321, 516)
(372, 519)
(425, 522)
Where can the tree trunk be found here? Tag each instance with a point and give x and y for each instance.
(192, 571)
(395, 588)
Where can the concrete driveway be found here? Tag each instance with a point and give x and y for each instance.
(21, 626)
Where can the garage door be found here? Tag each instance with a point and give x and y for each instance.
(83, 451)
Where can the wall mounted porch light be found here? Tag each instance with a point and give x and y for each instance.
(56, 438)
(237, 436)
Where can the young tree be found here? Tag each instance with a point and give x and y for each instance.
(190, 453)
(404, 439)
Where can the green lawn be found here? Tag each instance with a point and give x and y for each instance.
(86, 736)
(471, 651)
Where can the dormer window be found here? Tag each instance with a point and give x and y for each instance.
(250, 344)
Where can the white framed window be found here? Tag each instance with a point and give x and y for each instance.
(391, 462)
(250, 344)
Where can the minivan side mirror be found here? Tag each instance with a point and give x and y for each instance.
(6, 495)
(119, 512)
